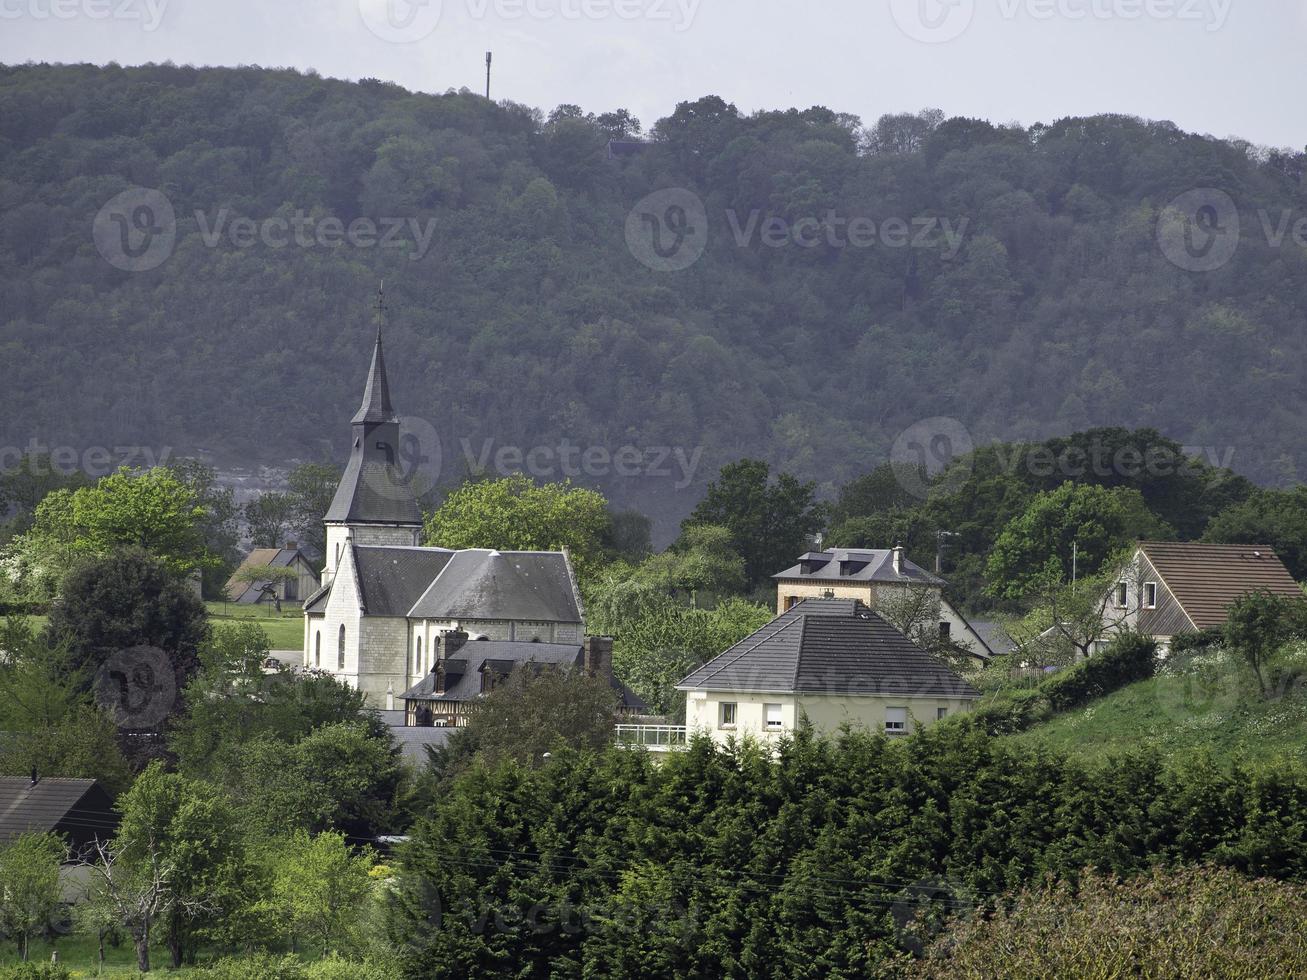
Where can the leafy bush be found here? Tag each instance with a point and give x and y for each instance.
(1202, 640)
(334, 968)
(1193, 922)
(1128, 658)
(35, 971)
(260, 966)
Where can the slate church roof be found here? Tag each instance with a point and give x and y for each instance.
(829, 646)
(435, 583)
(375, 488)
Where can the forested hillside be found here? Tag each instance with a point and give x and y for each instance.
(528, 321)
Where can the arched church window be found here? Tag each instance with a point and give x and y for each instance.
(317, 648)
(340, 653)
(417, 658)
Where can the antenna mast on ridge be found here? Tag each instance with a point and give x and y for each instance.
(489, 54)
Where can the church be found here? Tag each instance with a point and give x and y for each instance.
(387, 605)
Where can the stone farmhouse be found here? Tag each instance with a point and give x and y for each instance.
(385, 603)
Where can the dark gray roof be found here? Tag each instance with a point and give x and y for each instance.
(80, 808)
(376, 405)
(463, 671)
(829, 646)
(392, 578)
(531, 586)
(374, 489)
(857, 565)
(994, 636)
(413, 742)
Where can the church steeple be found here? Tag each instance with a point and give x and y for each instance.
(376, 405)
(375, 499)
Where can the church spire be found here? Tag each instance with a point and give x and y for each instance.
(376, 405)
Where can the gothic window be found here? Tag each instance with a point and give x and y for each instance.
(340, 653)
(317, 648)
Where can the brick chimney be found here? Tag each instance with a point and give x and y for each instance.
(448, 643)
(597, 656)
(898, 559)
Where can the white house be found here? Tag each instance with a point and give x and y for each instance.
(827, 662)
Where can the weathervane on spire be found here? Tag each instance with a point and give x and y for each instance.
(382, 308)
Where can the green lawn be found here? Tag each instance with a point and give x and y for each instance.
(78, 954)
(285, 630)
(1207, 702)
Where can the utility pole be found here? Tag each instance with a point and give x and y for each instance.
(489, 55)
(939, 549)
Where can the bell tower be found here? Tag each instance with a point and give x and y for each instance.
(375, 503)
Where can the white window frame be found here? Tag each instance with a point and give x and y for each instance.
(722, 712)
(1121, 595)
(1150, 595)
(941, 714)
(768, 723)
(893, 726)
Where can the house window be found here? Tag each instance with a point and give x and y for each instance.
(790, 600)
(945, 631)
(729, 710)
(1150, 595)
(771, 716)
(340, 649)
(292, 590)
(896, 720)
(1122, 595)
(317, 648)
(941, 714)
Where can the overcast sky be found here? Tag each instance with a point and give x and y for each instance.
(1224, 67)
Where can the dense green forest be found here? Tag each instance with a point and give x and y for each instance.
(528, 321)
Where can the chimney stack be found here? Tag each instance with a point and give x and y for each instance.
(597, 656)
(448, 643)
(35, 778)
(898, 559)
(292, 545)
